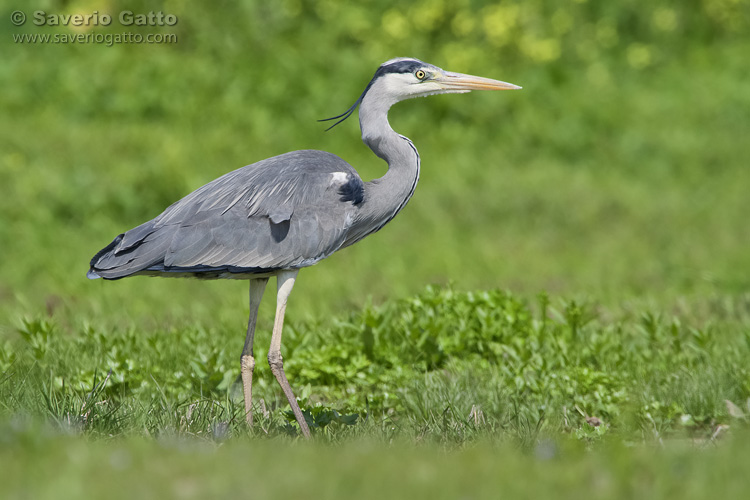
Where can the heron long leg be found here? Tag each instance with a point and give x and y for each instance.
(285, 283)
(247, 361)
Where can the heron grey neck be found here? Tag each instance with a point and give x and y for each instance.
(387, 195)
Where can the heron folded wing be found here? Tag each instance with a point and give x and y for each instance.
(143, 253)
(283, 212)
(134, 237)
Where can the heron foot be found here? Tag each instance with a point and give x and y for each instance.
(247, 365)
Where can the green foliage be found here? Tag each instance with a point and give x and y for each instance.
(320, 417)
(549, 365)
(36, 335)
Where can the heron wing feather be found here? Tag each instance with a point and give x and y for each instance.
(279, 213)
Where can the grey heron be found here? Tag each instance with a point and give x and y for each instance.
(279, 215)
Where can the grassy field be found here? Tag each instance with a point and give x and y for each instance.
(170, 468)
(563, 308)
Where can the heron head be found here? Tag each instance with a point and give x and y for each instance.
(405, 78)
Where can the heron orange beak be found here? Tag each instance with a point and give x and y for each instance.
(459, 81)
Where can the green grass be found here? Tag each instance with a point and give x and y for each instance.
(575, 253)
(443, 366)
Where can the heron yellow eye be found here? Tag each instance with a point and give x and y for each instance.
(421, 75)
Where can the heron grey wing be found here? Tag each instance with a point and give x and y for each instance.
(270, 187)
(290, 210)
(213, 241)
(282, 183)
(281, 213)
(119, 260)
(232, 239)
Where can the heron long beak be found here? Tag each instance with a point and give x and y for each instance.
(459, 81)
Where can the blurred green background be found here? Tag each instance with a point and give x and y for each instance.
(620, 169)
(618, 176)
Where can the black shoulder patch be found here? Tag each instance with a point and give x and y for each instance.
(353, 190)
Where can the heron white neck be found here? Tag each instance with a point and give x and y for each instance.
(387, 195)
